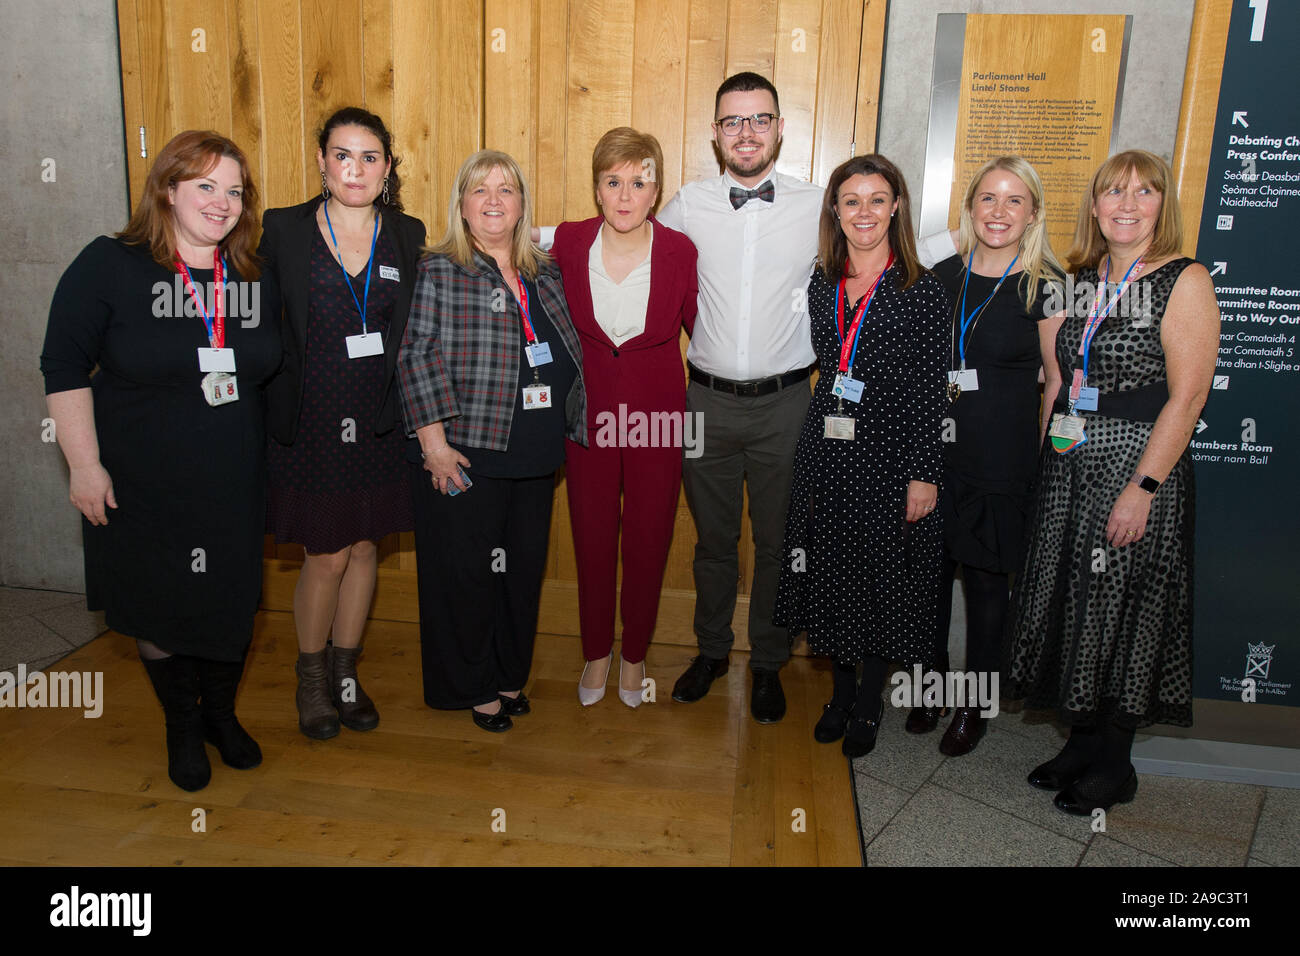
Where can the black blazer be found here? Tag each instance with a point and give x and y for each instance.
(285, 249)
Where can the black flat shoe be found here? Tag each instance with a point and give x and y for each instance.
(497, 723)
(699, 677)
(831, 726)
(1084, 795)
(515, 706)
(860, 735)
(766, 698)
(922, 720)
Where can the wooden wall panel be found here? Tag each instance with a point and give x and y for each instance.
(751, 37)
(795, 76)
(659, 82)
(285, 182)
(509, 75)
(706, 59)
(551, 143)
(133, 108)
(412, 119)
(246, 84)
(871, 50)
(377, 58)
(837, 74)
(1196, 115)
(200, 78)
(331, 71)
(455, 96)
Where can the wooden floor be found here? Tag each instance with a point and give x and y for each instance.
(667, 784)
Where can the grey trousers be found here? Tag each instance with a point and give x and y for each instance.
(745, 440)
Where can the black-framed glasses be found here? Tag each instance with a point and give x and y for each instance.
(732, 125)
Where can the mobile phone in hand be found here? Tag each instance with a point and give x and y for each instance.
(452, 490)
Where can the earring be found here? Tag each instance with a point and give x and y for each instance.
(385, 190)
(324, 187)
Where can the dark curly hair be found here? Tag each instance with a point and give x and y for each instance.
(355, 116)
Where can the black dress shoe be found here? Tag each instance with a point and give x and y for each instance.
(699, 677)
(515, 706)
(497, 723)
(922, 720)
(766, 698)
(1091, 792)
(860, 735)
(831, 726)
(1061, 771)
(964, 733)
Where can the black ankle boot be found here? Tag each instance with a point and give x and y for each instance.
(218, 682)
(176, 682)
(1109, 779)
(1068, 766)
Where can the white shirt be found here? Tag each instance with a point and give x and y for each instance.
(619, 306)
(935, 248)
(754, 264)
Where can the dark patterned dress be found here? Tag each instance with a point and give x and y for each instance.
(339, 483)
(856, 575)
(1101, 632)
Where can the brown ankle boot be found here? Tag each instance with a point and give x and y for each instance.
(316, 715)
(356, 709)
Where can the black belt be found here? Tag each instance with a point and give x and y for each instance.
(761, 386)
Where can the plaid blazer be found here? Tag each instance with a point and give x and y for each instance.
(459, 361)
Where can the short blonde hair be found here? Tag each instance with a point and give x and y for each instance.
(1154, 173)
(1037, 260)
(457, 243)
(623, 145)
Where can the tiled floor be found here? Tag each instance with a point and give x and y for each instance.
(912, 800)
(918, 807)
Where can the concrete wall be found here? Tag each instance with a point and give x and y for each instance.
(63, 103)
(1153, 85)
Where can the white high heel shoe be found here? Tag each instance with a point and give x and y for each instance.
(590, 695)
(630, 697)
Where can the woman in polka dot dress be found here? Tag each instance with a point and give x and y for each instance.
(1103, 606)
(863, 546)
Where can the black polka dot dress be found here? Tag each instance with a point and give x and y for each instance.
(1099, 631)
(339, 483)
(856, 575)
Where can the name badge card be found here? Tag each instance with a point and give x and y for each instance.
(367, 343)
(539, 353)
(966, 379)
(846, 387)
(839, 427)
(536, 396)
(1087, 400)
(220, 388)
(216, 360)
(390, 272)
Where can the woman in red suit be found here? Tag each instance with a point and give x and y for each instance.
(630, 285)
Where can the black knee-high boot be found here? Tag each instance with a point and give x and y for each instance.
(218, 682)
(176, 682)
(1109, 779)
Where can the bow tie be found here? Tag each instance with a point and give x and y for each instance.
(764, 192)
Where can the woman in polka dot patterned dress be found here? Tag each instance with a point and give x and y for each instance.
(1103, 605)
(863, 546)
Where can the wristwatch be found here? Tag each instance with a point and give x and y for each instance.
(1146, 483)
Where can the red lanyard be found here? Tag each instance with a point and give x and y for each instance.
(849, 344)
(216, 326)
(529, 335)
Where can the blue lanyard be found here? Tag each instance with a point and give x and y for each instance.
(968, 319)
(1094, 320)
(347, 279)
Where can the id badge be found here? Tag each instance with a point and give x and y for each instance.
(539, 353)
(536, 396)
(838, 426)
(359, 346)
(1066, 426)
(849, 388)
(390, 272)
(216, 360)
(220, 388)
(966, 379)
(1087, 400)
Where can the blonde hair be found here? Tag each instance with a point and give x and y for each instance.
(1152, 172)
(458, 244)
(623, 145)
(1037, 261)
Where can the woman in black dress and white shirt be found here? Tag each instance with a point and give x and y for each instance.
(1001, 282)
(165, 442)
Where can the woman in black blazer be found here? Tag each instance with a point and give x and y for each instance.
(345, 262)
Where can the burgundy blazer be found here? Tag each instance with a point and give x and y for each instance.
(646, 371)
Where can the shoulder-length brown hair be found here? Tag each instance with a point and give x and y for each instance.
(833, 248)
(187, 156)
(1154, 173)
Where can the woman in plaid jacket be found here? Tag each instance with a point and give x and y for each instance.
(490, 373)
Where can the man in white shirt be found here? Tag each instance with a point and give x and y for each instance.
(749, 358)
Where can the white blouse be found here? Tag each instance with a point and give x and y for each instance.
(620, 307)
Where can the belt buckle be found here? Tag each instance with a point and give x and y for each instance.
(746, 389)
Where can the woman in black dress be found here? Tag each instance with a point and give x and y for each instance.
(345, 261)
(1000, 283)
(1102, 610)
(165, 441)
(864, 548)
